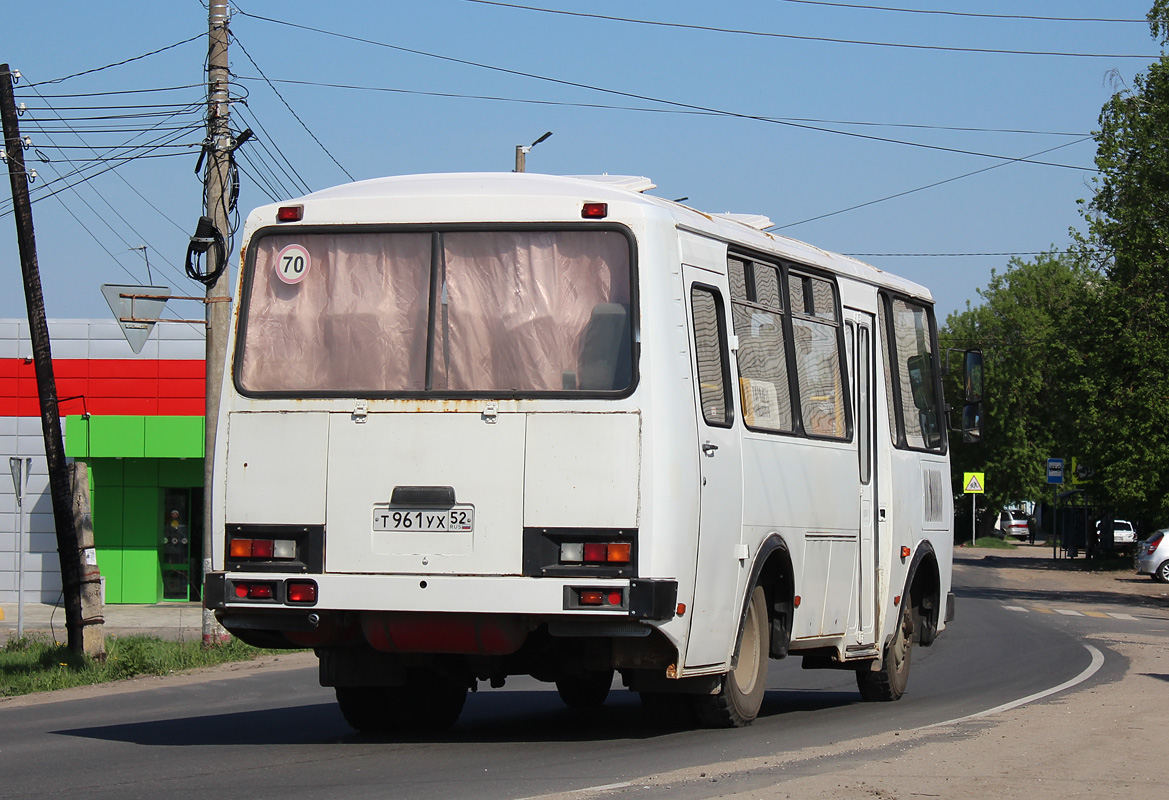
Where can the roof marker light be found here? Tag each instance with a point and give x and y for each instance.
(290, 214)
(594, 210)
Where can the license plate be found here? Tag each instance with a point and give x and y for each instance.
(456, 519)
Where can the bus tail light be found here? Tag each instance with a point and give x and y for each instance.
(596, 597)
(596, 553)
(303, 592)
(290, 214)
(594, 210)
(263, 549)
(255, 591)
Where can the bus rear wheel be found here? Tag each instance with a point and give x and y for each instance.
(587, 690)
(889, 682)
(427, 703)
(741, 696)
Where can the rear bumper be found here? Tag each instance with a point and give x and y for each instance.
(641, 598)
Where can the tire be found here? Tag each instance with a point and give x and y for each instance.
(741, 696)
(428, 703)
(368, 709)
(889, 682)
(1162, 573)
(587, 690)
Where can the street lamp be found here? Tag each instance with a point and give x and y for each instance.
(521, 152)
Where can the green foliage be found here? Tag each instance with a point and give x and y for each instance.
(1121, 391)
(1022, 327)
(36, 664)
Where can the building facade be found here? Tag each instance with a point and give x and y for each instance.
(137, 421)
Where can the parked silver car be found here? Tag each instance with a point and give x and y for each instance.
(1153, 556)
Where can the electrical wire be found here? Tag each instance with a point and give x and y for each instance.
(789, 36)
(674, 103)
(290, 109)
(119, 63)
(927, 186)
(606, 107)
(957, 13)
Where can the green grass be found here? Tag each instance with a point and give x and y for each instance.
(994, 543)
(36, 664)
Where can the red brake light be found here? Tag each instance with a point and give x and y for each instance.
(594, 210)
(302, 592)
(262, 548)
(290, 214)
(615, 598)
(241, 590)
(259, 591)
(596, 552)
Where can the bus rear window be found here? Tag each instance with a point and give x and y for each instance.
(512, 312)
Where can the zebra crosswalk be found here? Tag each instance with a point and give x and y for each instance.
(1070, 612)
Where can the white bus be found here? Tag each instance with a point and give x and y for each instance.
(484, 425)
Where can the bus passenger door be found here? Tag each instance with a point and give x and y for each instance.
(720, 560)
(861, 366)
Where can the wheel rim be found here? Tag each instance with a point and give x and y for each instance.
(747, 669)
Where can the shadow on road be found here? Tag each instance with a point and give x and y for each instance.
(489, 717)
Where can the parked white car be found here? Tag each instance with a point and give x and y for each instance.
(1123, 531)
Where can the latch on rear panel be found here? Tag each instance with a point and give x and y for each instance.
(360, 410)
(490, 413)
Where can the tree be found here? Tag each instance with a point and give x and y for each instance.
(1121, 395)
(1022, 327)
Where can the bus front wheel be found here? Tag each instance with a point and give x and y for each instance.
(741, 696)
(889, 682)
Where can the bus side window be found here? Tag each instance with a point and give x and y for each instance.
(710, 353)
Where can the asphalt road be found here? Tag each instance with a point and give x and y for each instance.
(276, 734)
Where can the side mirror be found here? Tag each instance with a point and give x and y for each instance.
(972, 423)
(972, 370)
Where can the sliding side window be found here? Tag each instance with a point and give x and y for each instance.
(817, 340)
(757, 309)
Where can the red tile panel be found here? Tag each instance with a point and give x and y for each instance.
(107, 386)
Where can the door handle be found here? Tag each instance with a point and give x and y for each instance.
(708, 449)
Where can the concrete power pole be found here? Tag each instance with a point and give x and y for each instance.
(218, 192)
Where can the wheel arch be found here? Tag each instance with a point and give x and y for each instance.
(773, 571)
(923, 585)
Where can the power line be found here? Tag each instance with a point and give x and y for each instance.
(120, 63)
(957, 13)
(606, 107)
(828, 39)
(922, 188)
(290, 109)
(674, 103)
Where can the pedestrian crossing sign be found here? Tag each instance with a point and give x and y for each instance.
(974, 482)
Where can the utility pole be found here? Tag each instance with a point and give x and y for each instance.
(217, 194)
(67, 548)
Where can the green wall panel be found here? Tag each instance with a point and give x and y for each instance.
(141, 575)
(106, 504)
(180, 473)
(117, 436)
(106, 472)
(76, 436)
(109, 564)
(174, 437)
(140, 471)
(141, 517)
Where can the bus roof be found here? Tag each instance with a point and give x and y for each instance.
(437, 190)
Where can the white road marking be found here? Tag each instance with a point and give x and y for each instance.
(1097, 662)
(1067, 612)
(1014, 608)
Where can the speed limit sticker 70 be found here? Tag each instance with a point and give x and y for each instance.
(293, 263)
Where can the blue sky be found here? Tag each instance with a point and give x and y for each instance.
(420, 110)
